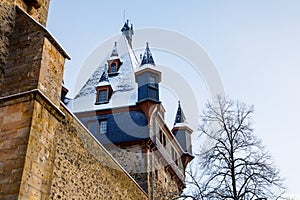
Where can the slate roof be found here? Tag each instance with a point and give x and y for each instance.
(180, 117)
(147, 58)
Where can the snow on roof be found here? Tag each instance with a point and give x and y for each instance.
(147, 66)
(103, 83)
(123, 85)
(113, 58)
(181, 124)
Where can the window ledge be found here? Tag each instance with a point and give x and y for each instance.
(102, 102)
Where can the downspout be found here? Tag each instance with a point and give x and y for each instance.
(151, 155)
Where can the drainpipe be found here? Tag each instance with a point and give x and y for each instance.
(152, 174)
(151, 157)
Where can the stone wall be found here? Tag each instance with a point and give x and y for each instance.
(33, 52)
(84, 170)
(166, 185)
(136, 159)
(7, 16)
(45, 153)
(39, 162)
(15, 120)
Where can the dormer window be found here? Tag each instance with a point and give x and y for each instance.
(113, 67)
(103, 94)
(114, 62)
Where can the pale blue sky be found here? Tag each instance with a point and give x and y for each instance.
(255, 46)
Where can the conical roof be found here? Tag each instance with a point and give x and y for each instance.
(180, 117)
(147, 58)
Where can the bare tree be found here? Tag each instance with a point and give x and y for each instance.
(235, 164)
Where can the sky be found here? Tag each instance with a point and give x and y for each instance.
(254, 45)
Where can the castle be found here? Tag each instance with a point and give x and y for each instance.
(111, 143)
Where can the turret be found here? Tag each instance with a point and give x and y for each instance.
(181, 130)
(148, 78)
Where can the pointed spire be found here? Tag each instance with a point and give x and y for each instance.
(126, 26)
(114, 51)
(180, 117)
(128, 32)
(147, 58)
(104, 76)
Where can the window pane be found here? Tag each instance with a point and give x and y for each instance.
(152, 81)
(102, 96)
(103, 127)
(113, 68)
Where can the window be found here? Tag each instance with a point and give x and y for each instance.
(103, 127)
(97, 127)
(164, 140)
(174, 156)
(104, 92)
(102, 96)
(113, 68)
(160, 136)
(153, 81)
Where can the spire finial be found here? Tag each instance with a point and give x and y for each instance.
(147, 58)
(115, 50)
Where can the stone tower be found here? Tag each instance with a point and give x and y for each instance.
(32, 64)
(45, 152)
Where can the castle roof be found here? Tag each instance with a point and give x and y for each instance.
(123, 85)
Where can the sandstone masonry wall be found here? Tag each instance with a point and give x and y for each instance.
(38, 167)
(15, 120)
(136, 159)
(165, 186)
(34, 61)
(84, 170)
(7, 18)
